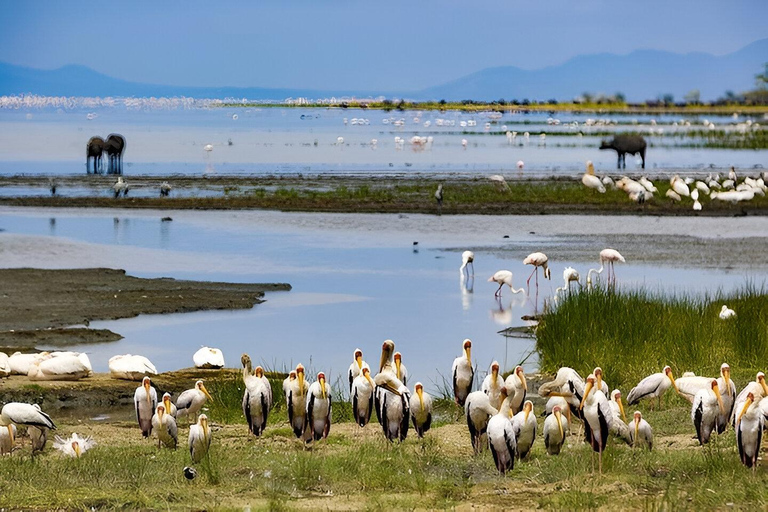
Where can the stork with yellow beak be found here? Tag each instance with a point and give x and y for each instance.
(145, 401)
(362, 397)
(297, 402)
(318, 410)
(478, 411)
(287, 382)
(759, 390)
(569, 385)
(653, 386)
(16, 413)
(618, 421)
(199, 438)
(389, 391)
(554, 430)
(421, 410)
(556, 400)
(170, 408)
(688, 386)
(600, 383)
(257, 397)
(524, 426)
(356, 367)
(192, 400)
(501, 436)
(707, 404)
(517, 388)
(749, 431)
(74, 446)
(463, 374)
(640, 432)
(492, 385)
(7, 437)
(165, 428)
(597, 419)
(401, 372)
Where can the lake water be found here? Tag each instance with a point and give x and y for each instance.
(359, 279)
(297, 140)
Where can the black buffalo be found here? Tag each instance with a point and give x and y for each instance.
(623, 144)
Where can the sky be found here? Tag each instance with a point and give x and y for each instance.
(344, 44)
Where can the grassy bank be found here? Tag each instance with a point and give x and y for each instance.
(631, 334)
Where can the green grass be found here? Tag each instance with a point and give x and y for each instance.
(634, 333)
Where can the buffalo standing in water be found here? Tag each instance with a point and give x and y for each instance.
(623, 144)
(114, 146)
(94, 149)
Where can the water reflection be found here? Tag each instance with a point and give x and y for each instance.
(467, 286)
(504, 316)
(52, 226)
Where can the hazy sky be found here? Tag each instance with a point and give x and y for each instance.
(340, 44)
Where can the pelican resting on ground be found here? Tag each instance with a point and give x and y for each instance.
(199, 438)
(504, 277)
(726, 313)
(707, 404)
(318, 410)
(297, 402)
(478, 411)
(20, 363)
(463, 374)
(524, 426)
(492, 385)
(66, 366)
(74, 446)
(5, 366)
(640, 432)
(145, 402)
(208, 358)
(362, 397)
(164, 426)
(554, 431)
(749, 431)
(17, 413)
(356, 367)
(590, 180)
(501, 437)
(130, 367)
(421, 410)
(192, 400)
(653, 386)
(467, 259)
(597, 419)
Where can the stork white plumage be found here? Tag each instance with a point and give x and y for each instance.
(145, 402)
(421, 410)
(554, 431)
(749, 431)
(401, 372)
(707, 405)
(524, 426)
(597, 419)
(391, 397)
(640, 432)
(164, 427)
(653, 386)
(503, 277)
(478, 410)
(170, 407)
(759, 390)
(517, 388)
(318, 410)
(361, 395)
(257, 397)
(567, 384)
(199, 440)
(618, 418)
(501, 437)
(493, 384)
(609, 256)
(463, 374)
(74, 446)
(192, 400)
(7, 437)
(17, 413)
(296, 399)
(467, 258)
(689, 386)
(356, 367)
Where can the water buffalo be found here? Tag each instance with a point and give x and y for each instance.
(94, 149)
(623, 144)
(114, 146)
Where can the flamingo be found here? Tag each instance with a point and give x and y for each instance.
(537, 259)
(609, 256)
(503, 277)
(570, 274)
(467, 258)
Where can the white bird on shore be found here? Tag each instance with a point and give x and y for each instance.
(649, 186)
(567, 384)
(590, 180)
(477, 411)
(421, 410)
(287, 383)
(679, 186)
(554, 431)
(74, 446)
(597, 419)
(361, 395)
(463, 374)
(524, 425)
(165, 189)
(164, 426)
(537, 259)
(707, 405)
(653, 386)
(640, 432)
(520, 163)
(130, 367)
(192, 400)
(296, 400)
(439, 198)
(64, 366)
(610, 256)
(208, 358)
(517, 388)
(673, 195)
(501, 437)
(199, 441)
(493, 384)
(467, 258)
(759, 390)
(503, 277)
(145, 402)
(20, 363)
(618, 418)
(318, 410)
(17, 413)
(356, 367)
(401, 372)
(726, 313)
(120, 187)
(7, 438)
(749, 431)
(689, 386)
(257, 397)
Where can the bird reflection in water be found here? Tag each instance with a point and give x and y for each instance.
(467, 285)
(502, 315)
(52, 226)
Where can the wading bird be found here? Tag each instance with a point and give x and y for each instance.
(493, 384)
(517, 388)
(524, 425)
(597, 419)
(618, 418)
(689, 386)
(478, 410)
(257, 397)
(537, 259)
(7, 437)
(504, 277)
(653, 386)
(170, 408)
(391, 397)
(570, 275)
(401, 372)
(17, 413)
(74, 446)
(467, 258)
(199, 438)
(463, 374)
(501, 438)
(421, 410)
(749, 431)
(590, 180)
(356, 367)
(568, 385)
(554, 431)
(707, 404)
(297, 399)
(759, 390)
(609, 256)
(192, 400)
(318, 410)
(726, 313)
(439, 198)
(640, 433)
(362, 397)
(120, 187)
(145, 401)
(164, 426)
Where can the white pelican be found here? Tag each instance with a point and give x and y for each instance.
(257, 397)
(478, 410)
(707, 404)
(401, 372)
(318, 410)
(199, 438)
(759, 390)
(590, 180)
(356, 367)
(192, 400)
(517, 389)
(145, 402)
(649, 186)
(20, 363)
(501, 437)
(463, 374)
(493, 384)
(164, 426)
(726, 313)
(679, 187)
(362, 397)
(597, 418)
(296, 400)
(130, 367)
(537, 259)
(653, 386)
(7, 436)
(503, 277)
(66, 366)
(618, 418)
(609, 256)
(524, 425)
(74, 446)
(570, 275)
(467, 258)
(16, 413)
(208, 358)
(749, 431)
(640, 433)
(689, 386)
(5, 366)
(554, 431)
(421, 410)
(170, 408)
(569, 385)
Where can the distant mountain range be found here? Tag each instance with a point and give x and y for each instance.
(640, 75)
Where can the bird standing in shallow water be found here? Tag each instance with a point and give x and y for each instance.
(467, 259)
(439, 198)
(503, 277)
(537, 259)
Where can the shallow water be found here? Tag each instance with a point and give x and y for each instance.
(283, 140)
(359, 279)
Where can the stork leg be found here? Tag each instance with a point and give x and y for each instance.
(600, 458)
